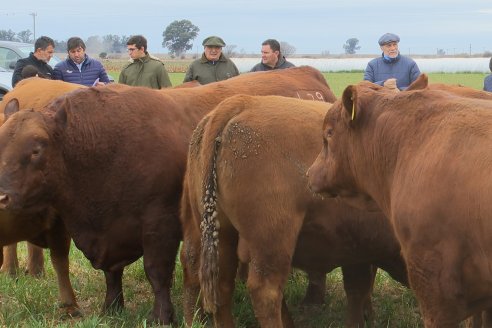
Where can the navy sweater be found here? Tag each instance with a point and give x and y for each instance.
(402, 68)
(91, 70)
(487, 83)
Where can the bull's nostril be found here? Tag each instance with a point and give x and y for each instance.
(4, 200)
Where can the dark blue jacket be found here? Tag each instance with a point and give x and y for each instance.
(91, 70)
(487, 83)
(402, 68)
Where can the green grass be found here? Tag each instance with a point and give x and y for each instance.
(30, 302)
(339, 81)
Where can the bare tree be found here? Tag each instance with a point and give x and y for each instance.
(286, 49)
(229, 50)
(94, 44)
(25, 36)
(8, 35)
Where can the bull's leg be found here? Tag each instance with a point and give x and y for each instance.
(191, 283)
(286, 318)
(315, 293)
(267, 277)
(190, 260)
(487, 318)
(358, 281)
(114, 291)
(428, 272)
(10, 262)
(160, 250)
(35, 260)
(59, 244)
(242, 272)
(228, 264)
(474, 321)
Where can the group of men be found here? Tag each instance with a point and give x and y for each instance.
(391, 69)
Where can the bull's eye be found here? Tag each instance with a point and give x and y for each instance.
(35, 154)
(329, 132)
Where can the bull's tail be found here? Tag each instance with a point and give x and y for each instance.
(212, 138)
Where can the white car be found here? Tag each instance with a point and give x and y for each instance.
(10, 53)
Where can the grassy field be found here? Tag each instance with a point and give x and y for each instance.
(30, 302)
(338, 81)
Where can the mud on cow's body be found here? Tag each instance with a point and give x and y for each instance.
(111, 161)
(424, 157)
(246, 198)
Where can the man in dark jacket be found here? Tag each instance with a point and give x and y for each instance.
(44, 47)
(213, 66)
(271, 57)
(392, 69)
(78, 67)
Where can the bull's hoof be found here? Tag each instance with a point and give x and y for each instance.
(71, 311)
(36, 273)
(12, 272)
(153, 320)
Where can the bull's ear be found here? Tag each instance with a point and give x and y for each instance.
(420, 83)
(61, 116)
(350, 101)
(11, 108)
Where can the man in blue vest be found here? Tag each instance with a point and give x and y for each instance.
(392, 69)
(78, 67)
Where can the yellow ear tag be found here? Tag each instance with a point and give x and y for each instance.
(353, 111)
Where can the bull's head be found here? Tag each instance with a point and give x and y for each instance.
(24, 156)
(334, 172)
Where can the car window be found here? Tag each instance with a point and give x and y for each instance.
(8, 58)
(26, 50)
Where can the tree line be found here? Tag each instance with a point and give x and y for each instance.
(177, 37)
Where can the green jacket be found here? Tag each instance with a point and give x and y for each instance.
(145, 72)
(205, 71)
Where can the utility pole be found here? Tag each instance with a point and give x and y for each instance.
(34, 24)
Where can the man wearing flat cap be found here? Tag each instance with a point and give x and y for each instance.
(213, 66)
(392, 69)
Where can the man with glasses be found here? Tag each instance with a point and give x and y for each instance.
(44, 47)
(143, 70)
(392, 69)
(79, 67)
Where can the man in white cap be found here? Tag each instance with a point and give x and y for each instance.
(213, 66)
(392, 69)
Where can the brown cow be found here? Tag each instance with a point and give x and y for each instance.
(424, 158)
(111, 162)
(246, 188)
(32, 93)
(43, 231)
(36, 93)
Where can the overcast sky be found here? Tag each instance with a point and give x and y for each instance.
(312, 26)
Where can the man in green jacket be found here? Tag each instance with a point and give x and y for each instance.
(213, 66)
(144, 70)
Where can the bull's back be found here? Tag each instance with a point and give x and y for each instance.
(35, 92)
